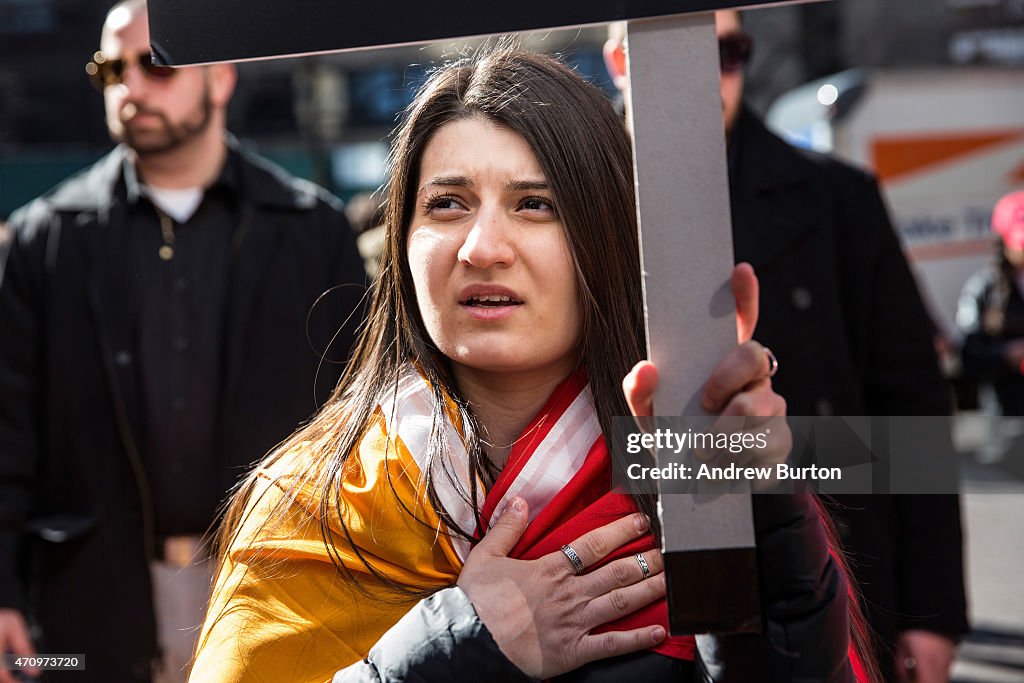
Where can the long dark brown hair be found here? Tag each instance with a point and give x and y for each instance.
(584, 151)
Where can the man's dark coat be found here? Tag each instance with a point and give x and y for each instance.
(75, 508)
(842, 313)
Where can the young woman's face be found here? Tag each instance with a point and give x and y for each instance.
(494, 278)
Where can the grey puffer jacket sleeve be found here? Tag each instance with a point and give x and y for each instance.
(440, 639)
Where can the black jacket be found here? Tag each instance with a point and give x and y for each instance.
(840, 309)
(75, 518)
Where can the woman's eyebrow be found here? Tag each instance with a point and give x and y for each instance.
(520, 185)
(463, 181)
(449, 181)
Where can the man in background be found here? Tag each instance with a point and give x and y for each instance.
(159, 336)
(840, 309)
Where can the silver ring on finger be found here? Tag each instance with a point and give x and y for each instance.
(773, 362)
(577, 563)
(644, 567)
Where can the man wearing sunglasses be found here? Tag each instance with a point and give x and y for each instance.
(835, 287)
(159, 334)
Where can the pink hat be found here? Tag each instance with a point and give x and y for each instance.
(1008, 219)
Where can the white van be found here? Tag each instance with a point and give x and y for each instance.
(946, 143)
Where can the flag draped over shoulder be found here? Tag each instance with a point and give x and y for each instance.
(281, 608)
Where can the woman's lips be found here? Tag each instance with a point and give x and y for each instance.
(490, 312)
(489, 301)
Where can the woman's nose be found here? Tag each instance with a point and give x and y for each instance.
(488, 242)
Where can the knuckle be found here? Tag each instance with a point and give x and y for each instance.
(549, 564)
(744, 404)
(635, 640)
(716, 385)
(561, 569)
(561, 594)
(618, 601)
(596, 545)
(566, 641)
(640, 640)
(609, 646)
(752, 352)
(620, 574)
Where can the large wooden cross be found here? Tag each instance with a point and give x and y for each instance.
(682, 206)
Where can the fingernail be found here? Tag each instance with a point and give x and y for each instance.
(706, 402)
(657, 634)
(642, 522)
(517, 505)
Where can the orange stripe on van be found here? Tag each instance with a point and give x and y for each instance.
(895, 157)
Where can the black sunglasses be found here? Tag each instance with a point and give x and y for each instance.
(734, 51)
(104, 71)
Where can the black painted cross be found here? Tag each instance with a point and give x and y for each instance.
(682, 204)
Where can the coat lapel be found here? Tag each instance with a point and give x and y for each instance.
(252, 248)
